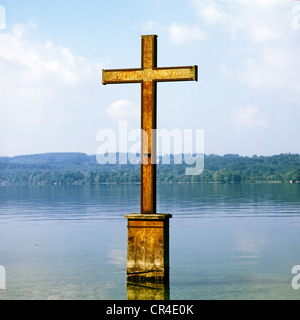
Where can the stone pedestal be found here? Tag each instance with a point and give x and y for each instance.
(148, 248)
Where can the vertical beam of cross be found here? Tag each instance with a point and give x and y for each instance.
(149, 122)
(148, 75)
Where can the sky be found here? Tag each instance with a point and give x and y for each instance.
(247, 98)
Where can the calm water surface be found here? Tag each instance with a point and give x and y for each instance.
(226, 241)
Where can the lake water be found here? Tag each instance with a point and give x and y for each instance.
(226, 241)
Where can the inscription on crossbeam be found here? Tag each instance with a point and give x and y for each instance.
(158, 74)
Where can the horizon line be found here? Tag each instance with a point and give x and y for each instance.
(170, 154)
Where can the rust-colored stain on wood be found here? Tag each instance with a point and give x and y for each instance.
(148, 75)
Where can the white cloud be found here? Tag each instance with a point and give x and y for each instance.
(42, 67)
(250, 116)
(43, 88)
(37, 62)
(259, 20)
(259, 3)
(210, 11)
(273, 68)
(182, 33)
(123, 109)
(264, 46)
(178, 33)
(261, 32)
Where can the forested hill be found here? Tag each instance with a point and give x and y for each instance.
(80, 169)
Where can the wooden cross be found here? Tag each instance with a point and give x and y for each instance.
(148, 75)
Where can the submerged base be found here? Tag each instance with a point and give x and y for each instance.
(142, 292)
(149, 278)
(148, 249)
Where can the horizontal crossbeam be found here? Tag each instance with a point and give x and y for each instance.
(147, 75)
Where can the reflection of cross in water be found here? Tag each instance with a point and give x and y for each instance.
(148, 75)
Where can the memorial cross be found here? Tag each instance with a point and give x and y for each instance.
(148, 75)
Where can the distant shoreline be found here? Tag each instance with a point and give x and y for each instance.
(159, 183)
(81, 169)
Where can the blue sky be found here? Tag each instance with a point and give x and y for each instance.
(247, 98)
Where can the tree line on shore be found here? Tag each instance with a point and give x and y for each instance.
(81, 169)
